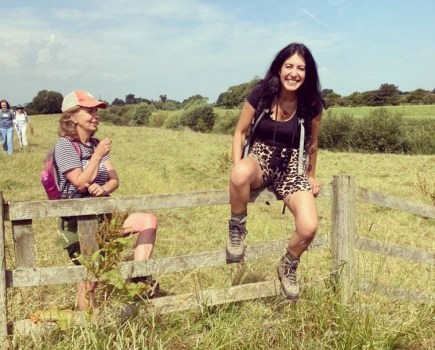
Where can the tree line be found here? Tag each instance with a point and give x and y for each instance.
(50, 102)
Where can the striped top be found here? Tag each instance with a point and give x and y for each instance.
(66, 159)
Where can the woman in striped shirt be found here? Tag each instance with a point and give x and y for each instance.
(87, 171)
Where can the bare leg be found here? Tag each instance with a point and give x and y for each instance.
(304, 210)
(146, 225)
(303, 207)
(246, 175)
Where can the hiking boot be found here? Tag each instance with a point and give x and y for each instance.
(148, 280)
(236, 241)
(286, 270)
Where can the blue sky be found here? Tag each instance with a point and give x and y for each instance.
(185, 47)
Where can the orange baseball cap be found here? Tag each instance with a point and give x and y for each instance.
(81, 98)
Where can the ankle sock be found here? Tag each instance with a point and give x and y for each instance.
(289, 256)
(239, 216)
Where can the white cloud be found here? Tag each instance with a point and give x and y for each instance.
(173, 47)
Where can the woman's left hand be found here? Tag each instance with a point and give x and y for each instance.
(96, 190)
(315, 185)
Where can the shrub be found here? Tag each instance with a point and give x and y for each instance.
(380, 131)
(336, 132)
(199, 117)
(419, 134)
(141, 114)
(117, 115)
(157, 120)
(172, 122)
(226, 124)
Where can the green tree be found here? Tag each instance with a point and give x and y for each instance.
(118, 102)
(331, 98)
(386, 95)
(130, 99)
(199, 117)
(236, 94)
(417, 96)
(141, 114)
(46, 102)
(193, 98)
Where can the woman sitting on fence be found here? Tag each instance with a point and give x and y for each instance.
(288, 105)
(89, 172)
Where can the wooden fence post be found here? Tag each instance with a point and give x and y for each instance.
(24, 242)
(87, 229)
(3, 295)
(343, 233)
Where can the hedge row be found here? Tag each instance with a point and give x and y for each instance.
(381, 131)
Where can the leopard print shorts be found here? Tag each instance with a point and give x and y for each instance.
(283, 183)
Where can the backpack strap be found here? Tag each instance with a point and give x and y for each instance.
(250, 138)
(79, 152)
(301, 146)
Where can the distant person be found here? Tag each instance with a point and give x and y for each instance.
(21, 123)
(288, 101)
(7, 127)
(92, 174)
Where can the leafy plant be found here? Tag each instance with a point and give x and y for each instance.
(103, 263)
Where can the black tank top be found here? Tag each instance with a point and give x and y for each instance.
(278, 133)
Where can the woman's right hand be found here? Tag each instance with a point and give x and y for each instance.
(103, 147)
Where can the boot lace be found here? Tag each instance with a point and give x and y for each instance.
(237, 232)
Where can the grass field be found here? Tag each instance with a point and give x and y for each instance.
(407, 111)
(165, 161)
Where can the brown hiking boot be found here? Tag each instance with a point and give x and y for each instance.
(154, 287)
(236, 241)
(286, 270)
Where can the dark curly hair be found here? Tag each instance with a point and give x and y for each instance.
(310, 101)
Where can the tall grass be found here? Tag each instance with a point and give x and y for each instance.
(154, 160)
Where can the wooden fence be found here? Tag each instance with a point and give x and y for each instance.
(343, 193)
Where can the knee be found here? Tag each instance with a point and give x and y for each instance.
(307, 229)
(149, 221)
(241, 174)
(138, 222)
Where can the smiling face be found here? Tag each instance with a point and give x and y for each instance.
(86, 120)
(292, 73)
(4, 106)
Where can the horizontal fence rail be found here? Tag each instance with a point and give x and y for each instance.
(71, 274)
(90, 206)
(393, 202)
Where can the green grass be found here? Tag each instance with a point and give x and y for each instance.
(164, 161)
(408, 111)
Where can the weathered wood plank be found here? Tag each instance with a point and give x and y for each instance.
(90, 206)
(24, 242)
(392, 202)
(73, 274)
(200, 299)
(396, 251)
(3, 281)
(343, 234)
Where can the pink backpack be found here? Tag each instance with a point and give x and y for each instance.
(50, 176)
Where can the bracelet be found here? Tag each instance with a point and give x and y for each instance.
(104, 189)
